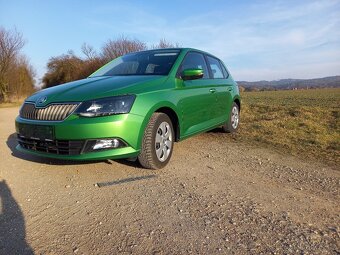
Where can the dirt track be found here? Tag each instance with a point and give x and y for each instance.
(215, 197)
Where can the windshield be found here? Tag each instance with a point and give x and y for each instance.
(154, 62)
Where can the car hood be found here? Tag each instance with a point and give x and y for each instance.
(95, 87)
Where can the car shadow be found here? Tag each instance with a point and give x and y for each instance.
(12, 224)
(12, 143)
(216, 130)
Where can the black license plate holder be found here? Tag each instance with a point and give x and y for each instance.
(41, 132)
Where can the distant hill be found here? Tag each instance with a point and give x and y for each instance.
(327, 82)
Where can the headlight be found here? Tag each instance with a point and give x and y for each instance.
(106, 106)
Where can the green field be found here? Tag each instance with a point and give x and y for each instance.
(301, 122)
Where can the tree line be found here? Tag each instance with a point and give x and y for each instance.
(69, 67)
(16, 73)
(291, 84)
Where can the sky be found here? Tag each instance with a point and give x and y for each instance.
(257, 40)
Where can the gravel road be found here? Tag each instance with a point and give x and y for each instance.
(215, 197)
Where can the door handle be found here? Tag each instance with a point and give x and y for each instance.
(230, 88)
(212, 90)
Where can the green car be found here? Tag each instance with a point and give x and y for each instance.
(136, 106)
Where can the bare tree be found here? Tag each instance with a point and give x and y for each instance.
(21, 78)
(62, 69)
(69, 67)
(89, 51)
(116, 48)
(11, 42)
(163, 44)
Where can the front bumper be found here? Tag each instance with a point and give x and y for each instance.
(127, 127)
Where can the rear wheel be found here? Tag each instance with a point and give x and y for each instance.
(157, 142)
(232, 124)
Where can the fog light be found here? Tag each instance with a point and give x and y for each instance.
(106, 143)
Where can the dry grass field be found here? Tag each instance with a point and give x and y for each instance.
(300, 122)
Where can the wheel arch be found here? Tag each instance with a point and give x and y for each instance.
(238, 102)
(164, 107)
(174, 119)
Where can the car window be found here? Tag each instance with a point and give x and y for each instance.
(215, 67)
(127, 68)
(195, 60)
(225, 71)
(152, 62)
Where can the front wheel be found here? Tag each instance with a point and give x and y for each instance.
(157, 142)
(232, 124)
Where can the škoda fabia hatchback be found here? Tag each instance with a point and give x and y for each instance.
(136, 106)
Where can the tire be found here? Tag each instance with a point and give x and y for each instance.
(158, 142)
(233, 122)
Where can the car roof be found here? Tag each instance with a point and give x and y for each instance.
(178, 48)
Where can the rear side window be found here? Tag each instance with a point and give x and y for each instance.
(225, 71)
(194, 60)
(215, 67)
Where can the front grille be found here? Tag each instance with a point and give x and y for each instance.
(61, 147)
(52, 112)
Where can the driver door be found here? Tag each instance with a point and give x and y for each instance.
(197, 97)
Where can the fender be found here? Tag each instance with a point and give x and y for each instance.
(147, 117)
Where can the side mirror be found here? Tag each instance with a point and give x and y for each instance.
(192, 74)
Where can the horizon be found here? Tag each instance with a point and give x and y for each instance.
(313, 78)
(257, 40)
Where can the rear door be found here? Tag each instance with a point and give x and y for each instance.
(223, 88)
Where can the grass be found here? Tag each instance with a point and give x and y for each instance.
(300, 122)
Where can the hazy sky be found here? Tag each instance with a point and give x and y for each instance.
(256, 39)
